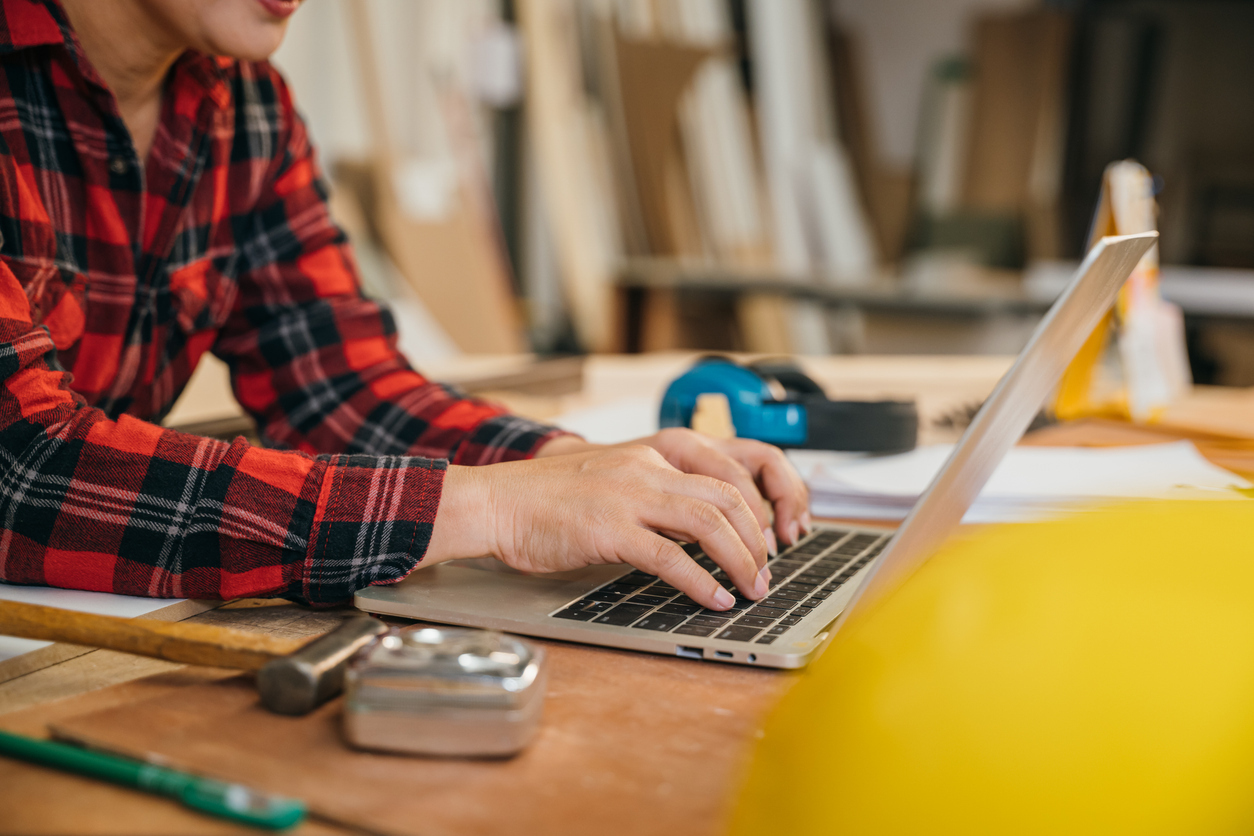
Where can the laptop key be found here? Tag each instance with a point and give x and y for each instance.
(605, 595)
(790, 594)
(660, 622)
(637, 579)
(777, 630)
(754, 621)
(738, 634)
(767, 612)
(691, 629)
(732, 613)
(766, 640)
(576, 614)
(711, 620)
(821, 595)
(679, 609)
(622, 615)
(789, 621)
(649, 600)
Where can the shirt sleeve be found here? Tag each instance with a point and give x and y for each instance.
(315, 362)
(128, 507)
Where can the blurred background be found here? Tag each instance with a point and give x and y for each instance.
(810, 176)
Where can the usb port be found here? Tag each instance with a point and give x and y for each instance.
(688, 652)
(723, 654)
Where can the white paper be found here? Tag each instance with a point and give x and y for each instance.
(613, 423)
(100, 603)
(1029, 483)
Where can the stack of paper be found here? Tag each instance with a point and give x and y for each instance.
(1030, 483)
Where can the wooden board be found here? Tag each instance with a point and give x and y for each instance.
(1014, 162)
(653, 75)
(45, 802)
(455, 263)
(630, 744)
(885, 192)
(559, 129)
(36, 801)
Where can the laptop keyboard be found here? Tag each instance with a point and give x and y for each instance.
(802, 577)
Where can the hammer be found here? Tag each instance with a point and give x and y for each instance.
(293, 676)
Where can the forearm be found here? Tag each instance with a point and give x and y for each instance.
(464, 523)
(128, 507)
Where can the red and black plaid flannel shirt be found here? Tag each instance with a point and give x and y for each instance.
(117, 274)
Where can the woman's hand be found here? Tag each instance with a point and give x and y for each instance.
(605, 505)
(761, 472)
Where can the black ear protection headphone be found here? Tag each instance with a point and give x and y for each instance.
(775, 401)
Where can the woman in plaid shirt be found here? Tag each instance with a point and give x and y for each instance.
(159, 199)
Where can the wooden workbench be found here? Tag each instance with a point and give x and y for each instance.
(632, 743)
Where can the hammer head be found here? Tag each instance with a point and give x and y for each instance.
(299, 683)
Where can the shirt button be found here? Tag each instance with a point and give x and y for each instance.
(118, 165)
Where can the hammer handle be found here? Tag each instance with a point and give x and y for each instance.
(196, 644)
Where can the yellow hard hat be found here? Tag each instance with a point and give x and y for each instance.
(1088, 675)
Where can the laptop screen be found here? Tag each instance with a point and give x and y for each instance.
(1007, 413)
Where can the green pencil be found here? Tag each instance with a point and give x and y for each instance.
(230, 801)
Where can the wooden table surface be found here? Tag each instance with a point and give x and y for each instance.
(632, 743)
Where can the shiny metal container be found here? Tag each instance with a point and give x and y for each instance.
(445, 691)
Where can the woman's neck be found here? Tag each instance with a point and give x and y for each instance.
(132, 51)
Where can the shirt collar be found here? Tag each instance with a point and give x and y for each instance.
(28, 23)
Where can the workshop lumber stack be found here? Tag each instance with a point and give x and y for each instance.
(696, 178)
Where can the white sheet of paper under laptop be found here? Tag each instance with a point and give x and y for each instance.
(1030, 482)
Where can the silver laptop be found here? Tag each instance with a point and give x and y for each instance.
(815, 583)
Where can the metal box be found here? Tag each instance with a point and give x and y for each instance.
(445, 691)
